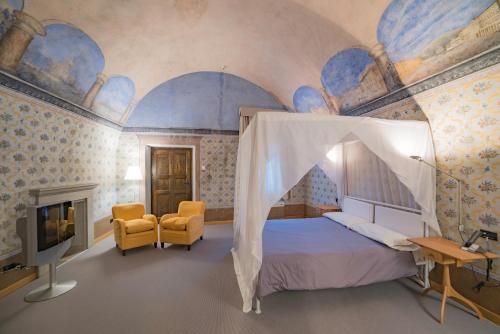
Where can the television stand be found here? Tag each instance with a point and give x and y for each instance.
(51, 290)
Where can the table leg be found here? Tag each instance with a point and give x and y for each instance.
(448, 291)
(443, 304)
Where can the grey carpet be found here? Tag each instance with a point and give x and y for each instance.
(175, 291)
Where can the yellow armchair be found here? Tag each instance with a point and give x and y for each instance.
(185, 226)
(133, 228)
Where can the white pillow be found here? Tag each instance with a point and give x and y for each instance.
(346, 219)
(386, 236)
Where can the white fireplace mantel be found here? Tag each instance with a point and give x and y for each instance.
(40, 193)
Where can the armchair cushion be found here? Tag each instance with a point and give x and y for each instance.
(191, 208)
(168, 216)
(128, 211)
(175, 223)
(138, 225)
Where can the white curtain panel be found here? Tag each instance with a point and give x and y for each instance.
(278, 149)
(368, 177)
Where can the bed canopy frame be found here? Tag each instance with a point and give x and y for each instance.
(278, 149)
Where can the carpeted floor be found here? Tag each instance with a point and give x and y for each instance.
(175, 291)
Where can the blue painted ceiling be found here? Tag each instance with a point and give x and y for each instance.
(308, 99)
(200, 100)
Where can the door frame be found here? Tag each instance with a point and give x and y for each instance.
(147, 178)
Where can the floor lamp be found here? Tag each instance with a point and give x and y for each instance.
(133, 174)
(460, 182)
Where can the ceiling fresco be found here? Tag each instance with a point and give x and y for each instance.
(100, 56)
(114, 98)
(424, 37)
(416, 40)
(65, 61)
(352, 77)
(308, 99)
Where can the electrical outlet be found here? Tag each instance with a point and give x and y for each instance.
(490, 235)
(461, 227)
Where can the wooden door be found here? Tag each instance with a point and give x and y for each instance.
(171, 180)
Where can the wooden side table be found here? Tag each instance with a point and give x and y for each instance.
(446, 253)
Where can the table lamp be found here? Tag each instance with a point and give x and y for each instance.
(133, 174)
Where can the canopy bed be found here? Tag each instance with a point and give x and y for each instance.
(275, 152)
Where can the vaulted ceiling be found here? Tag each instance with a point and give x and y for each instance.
(277, 44)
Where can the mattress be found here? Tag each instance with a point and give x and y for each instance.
(318, 253)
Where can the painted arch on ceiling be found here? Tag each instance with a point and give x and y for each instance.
(114, 97)
(200, 100)
(308, 99)
(64, 62)
(424, 37)
(352, 77)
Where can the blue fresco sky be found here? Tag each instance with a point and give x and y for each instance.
(12, 4)
(407, 27)
(115, 95)
(200, 100)
(307, 99)
(68, 54)
(342, 72)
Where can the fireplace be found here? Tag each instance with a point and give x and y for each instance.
(64, 212)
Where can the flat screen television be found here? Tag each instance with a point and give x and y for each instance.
(47, 233)
(55, 224)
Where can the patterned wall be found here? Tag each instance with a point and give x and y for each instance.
(464, 118)
(319, 188)
(43, 146)
(218, 155)
(297, 194)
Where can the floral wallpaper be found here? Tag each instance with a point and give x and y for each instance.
(297, 194)
(319, 188)
(218, 155)
(43, 146)
(464, 118)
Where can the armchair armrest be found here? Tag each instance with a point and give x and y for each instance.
(151, 218)
(168, 215)
(195, 222)
(120, 230)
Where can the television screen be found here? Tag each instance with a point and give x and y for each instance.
(55, 224)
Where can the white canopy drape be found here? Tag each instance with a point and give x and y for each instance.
(278, 149)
